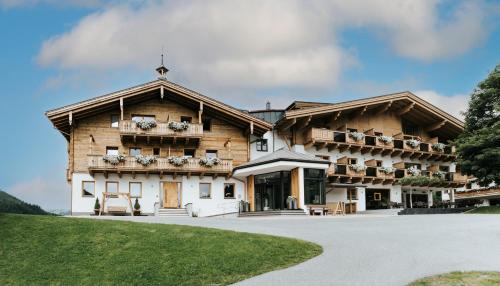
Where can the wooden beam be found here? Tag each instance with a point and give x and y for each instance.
(121, 108)
(406, 109)
(436, 126)
(290, 124)
(70, 118)
(200, 112)
(251, 127)
(337, 115)
(303, 123)
(384, 108)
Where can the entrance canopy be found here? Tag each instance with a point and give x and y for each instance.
(280, 160)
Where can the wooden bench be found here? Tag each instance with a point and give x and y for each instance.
(317, 209)
(116, 210)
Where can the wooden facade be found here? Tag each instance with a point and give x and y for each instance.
(94, 126)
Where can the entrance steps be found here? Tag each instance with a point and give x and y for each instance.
(273, 213)
(172, 212)
(383, 212)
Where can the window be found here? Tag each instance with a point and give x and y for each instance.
(416, 165)
(189, 153)
(156, 151)
(229, 191)
(207, 124)
(378, 133)
(205, 190)
(186, 119)
(112, 187)
(353, 161)
(88, 188)
(135, 189)
(143, 117)
(379, 163)
(314, 186)
(352, 194)
(352, 130)
(410, 128)
(324, 157)
(115, 119)
(211, 154)
(261, 145)
(134, 151)
(112, 151)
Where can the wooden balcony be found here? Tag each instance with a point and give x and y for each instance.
(342, 172)
(451, 180)
(325, 138)
(96, 164)
(161, 132)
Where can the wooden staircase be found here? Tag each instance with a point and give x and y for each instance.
(163, 212)
(273, 213)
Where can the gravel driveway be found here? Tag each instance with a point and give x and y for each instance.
(372, 250)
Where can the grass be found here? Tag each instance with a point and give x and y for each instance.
(472, 278)
(50, 250)
(486, 210)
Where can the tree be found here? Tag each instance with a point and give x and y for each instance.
(478, 147)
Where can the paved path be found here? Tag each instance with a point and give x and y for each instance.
(372, 250)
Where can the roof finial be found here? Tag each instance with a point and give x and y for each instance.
(162, 70)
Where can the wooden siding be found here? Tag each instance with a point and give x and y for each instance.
(294, 188)
(251, 192)
(91, 135)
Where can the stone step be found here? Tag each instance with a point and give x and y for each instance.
(173, 213)
(272, 213)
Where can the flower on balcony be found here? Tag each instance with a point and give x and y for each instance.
(145, 160)
(178, 126)
(414, 171)
(357, 136)
(419, 181)
(438, 147)
(177, 161)
(145, 124)
(357, 167)
(439, 174)
(113, 159)
(209, 162)
(385, 139)
(387, 170)
(413, 143)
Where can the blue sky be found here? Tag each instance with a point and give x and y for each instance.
(243, 53)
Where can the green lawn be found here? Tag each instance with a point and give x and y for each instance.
(486, 210)
(43, 250)
(461, 279)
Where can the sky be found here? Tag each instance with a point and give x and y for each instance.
(54, 53)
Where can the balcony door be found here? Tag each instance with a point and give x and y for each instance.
(171, 195)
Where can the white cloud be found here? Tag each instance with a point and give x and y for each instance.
(49, 192)
(258, 44)
(454, 104)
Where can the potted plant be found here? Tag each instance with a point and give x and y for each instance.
(209, 162)
(177, 161)
(145, 160)
(385, 139)
(137, 207)
(97, 206)
(357, 136)
(439, 147)
(145, 124)
(113, 159)
(413, 143)
(178, 126)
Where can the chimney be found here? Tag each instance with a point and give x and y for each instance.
(268, 105)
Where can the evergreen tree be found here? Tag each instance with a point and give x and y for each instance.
(478, 147)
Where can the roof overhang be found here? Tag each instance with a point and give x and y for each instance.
(63, 117)
(404, 103)
(275, 166)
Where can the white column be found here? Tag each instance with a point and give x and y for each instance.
(429, 198)
(395, 194)
(361, 204)
(452, 196)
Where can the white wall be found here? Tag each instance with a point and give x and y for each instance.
(340, 195)
(274, 142)
(151, 193)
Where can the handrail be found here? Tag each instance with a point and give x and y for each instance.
(130, 127)
(130, 163)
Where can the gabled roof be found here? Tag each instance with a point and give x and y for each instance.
(283, 155)
(60, 116)
(412, 106)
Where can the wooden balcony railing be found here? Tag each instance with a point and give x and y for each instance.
(450, 179)
(325, 138)
(129, 128)
(96, 164)
(373, 174)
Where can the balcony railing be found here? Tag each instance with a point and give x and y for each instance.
(450, 179)
(325, 138)
(162, 166)
(129, 127)
(371, 174)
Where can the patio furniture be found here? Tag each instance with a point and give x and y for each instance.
(318, 209)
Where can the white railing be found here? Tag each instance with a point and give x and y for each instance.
(161, 129)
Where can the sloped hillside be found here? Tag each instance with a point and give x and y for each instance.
(11, 204)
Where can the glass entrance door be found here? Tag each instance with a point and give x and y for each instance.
(271, 191)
